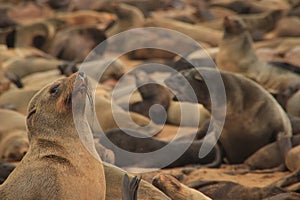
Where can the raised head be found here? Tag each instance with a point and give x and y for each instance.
(52, 108)
(234, 26)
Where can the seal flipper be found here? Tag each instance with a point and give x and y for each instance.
(129, 188)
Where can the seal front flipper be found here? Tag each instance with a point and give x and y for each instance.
(129, 188)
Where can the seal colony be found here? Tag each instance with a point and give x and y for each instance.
(42, 43)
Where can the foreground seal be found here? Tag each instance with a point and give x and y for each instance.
(57, 165)
(253, 117)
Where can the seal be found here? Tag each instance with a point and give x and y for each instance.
(110, 116)
(244, 61)
(245, 100)
(66, 42)
(128, 17)
(176, 190)
(58, 164)
(35, 34)
(17, 68)
(267, 156)
(18, 99)
(132, 141)
(152, 93)
(13, 136)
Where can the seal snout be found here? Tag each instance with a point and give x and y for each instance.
(81, 83)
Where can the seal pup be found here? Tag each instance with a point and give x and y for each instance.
(176, 190)
(110, 115)
(187, 118)
(286, 27)
(17, 68)
(58, 165)
(36, 34)
(253, 117)
(197, 32)
(244, 60)
(18, 99)
(133, 141)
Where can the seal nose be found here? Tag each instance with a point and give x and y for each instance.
(82, 76)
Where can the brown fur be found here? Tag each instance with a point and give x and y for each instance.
(13, 137)
(57, 165)
(253, 117)
(176, 190)
(237, 55)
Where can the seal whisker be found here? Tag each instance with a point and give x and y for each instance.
(33, 111)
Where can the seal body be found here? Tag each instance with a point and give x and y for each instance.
(253, 117)
(58, 165)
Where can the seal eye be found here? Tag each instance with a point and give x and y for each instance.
(54, 89)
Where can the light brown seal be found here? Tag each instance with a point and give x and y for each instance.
(128, 17)
(66, 42)
(253, 117)
(58, 165)
(13, 136)
(17, 68)
(267, 156)
(244, 60)
(176, 190)
(197, 32)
